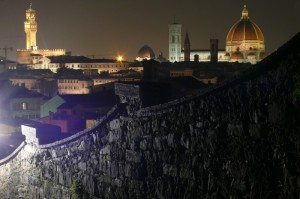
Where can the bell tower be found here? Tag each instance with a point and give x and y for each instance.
(30, 27)
(174, 42)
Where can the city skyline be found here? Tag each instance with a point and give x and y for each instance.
(108, 28)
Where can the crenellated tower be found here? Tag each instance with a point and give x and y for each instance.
(30, 27)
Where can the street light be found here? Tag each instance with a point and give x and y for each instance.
(120, 58)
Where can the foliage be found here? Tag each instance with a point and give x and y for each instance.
(77, 191)
(296, 96)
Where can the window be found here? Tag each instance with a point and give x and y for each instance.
(24, 106)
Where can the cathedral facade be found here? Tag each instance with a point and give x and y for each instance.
(25, 56)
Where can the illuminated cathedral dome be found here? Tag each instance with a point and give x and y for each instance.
(247, 38)
(145, 53)
(245, 29)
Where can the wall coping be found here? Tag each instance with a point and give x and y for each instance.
(13, 154)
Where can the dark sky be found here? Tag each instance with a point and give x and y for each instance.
(105, 28)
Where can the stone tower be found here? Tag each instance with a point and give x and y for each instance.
(30, 27)
(174, 42)
(187, 47)
(214, 50)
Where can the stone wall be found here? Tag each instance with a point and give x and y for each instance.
(237, 140)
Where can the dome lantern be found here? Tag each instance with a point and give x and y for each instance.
(245, 13)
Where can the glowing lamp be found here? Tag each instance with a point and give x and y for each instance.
(120, 58)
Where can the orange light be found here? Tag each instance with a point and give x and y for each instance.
(120, 58)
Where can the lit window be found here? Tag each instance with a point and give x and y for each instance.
(24, 106)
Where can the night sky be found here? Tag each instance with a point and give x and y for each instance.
(105, 28)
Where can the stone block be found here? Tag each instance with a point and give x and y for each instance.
(128, 170)
(170, 170)
(82, 166)
(114, 169)
(184, 141)
(143, 145)
(133, 156)
(114, 124)
(157, 145)
(117, 182)
(121, 167)
(170, 139)
(82, 145)
(105, 150)
(61, 178)
(114, 136)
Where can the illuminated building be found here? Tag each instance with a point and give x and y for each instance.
(245, 41)
(24, 56)
(174, 42)
(33, 84)
(202, 55)
(79, 63)
(74, 86)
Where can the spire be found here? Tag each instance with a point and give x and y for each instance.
(30, 5)
(245, 13)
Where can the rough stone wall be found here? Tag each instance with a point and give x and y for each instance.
(238, 140)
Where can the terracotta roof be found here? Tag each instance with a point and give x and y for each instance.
(244, 29)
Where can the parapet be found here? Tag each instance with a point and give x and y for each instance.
(37, 134)
(30, 134)
(129, 96)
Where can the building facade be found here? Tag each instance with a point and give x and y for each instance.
(74, 86)
(204, 55)
(32, 84)
(53, 63)
(25, 105)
